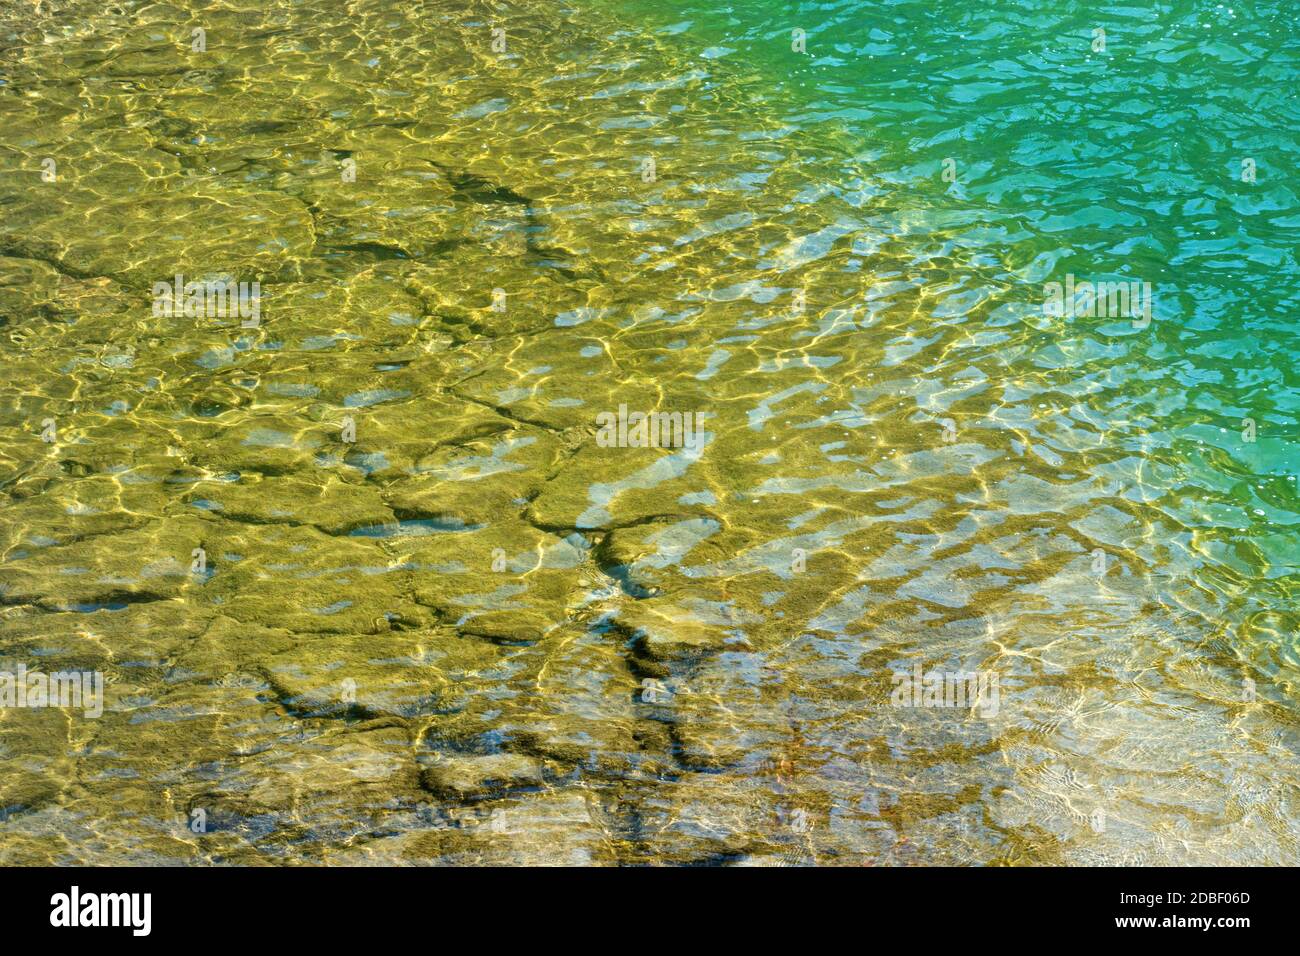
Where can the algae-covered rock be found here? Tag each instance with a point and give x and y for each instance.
(151, 563)
(471, 777)
(368, 675)
(548, 828)
(35, 745)
(475, 480)
(333, 505)
(310, 777)
(663, 633)
(27, 289)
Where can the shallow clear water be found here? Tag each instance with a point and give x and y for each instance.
(367, 582)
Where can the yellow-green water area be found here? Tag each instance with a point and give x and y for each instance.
(375, 572)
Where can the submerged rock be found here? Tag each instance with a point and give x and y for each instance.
(474, 777)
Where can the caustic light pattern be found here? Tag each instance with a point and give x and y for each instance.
(614, 432)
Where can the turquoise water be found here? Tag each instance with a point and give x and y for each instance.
(370, 580)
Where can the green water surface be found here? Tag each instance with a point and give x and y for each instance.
(437, 619)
